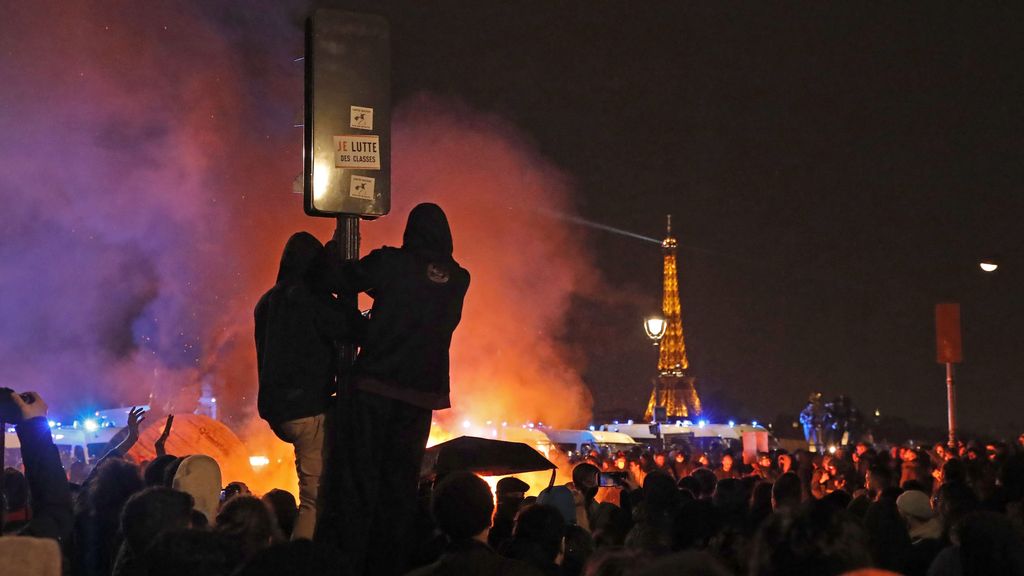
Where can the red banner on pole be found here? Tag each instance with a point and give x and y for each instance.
(948, 344)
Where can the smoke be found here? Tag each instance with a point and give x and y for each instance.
(507, 361)
(146, 163)
(141, 156)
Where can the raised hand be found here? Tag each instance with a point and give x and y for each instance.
(135, 417)
(31, 409)
(162, 440)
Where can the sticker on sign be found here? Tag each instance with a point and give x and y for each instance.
(361, 118)
(357, 152)
(361, 187)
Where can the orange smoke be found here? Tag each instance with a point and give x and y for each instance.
(507, 361)
(170, 214)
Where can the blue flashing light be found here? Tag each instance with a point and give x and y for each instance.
(732, 423)
(630, 422)
(91, 425)
(51, 423)
(592, 428)
(702, 423)
(616, 422)
(754, 423)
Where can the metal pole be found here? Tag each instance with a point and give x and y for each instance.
(951, 401)
(346, 234)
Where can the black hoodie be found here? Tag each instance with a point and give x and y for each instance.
(417, 292)
(296, 322)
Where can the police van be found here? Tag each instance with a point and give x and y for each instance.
(574, 442)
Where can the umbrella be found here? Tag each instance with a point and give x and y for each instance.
(483, 456)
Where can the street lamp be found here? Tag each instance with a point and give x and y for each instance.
(655, 327)
(988, 265)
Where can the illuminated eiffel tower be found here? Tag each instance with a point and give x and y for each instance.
(674, 386)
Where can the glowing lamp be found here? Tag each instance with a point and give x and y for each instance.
(988, 265)
(655, 327)
(258, 461)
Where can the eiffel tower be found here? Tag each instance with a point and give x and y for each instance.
(674, 386)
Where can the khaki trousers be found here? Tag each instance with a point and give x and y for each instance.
(307, 436)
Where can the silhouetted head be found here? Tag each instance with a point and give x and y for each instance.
(156, 471)
(462, 505)
(427, 231)
(707, 480)
(285, 509)
(585, 477)
(787, 491)
(542, 526)
(199, 475)
(247, 526)
(152, 512)
(301, 253)
(15, 489)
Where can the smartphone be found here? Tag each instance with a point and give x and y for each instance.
(606, 479)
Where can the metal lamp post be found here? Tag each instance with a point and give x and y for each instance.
(655, 327)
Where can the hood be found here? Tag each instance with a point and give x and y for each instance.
(560, 498)
(301, 251)
(427, 231)
(199, 476)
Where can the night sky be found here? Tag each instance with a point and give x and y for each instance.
(832, 171)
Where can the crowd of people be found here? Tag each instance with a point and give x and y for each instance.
(359, 434)
(905, 510)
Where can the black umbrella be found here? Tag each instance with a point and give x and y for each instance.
(483, 456)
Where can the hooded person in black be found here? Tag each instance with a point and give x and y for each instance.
(400, 376)
(297, 322)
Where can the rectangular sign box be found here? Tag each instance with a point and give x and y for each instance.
(347, 146)
(948, 343)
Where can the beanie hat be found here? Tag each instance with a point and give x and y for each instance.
(916, 504)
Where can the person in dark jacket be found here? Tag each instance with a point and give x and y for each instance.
(297, 322)
(400, 375)
(49, 491)
(462, 505)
